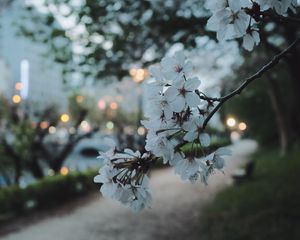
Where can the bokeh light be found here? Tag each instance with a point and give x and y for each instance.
(114, 105)
(52, 129)
(101, 104)
(110, 125)
(231, 122)
(16, 99)
(242, 126)
(44, 124)
(65, 118)
(18, 86)
(138, 74)
(64, 171)
(141, 131)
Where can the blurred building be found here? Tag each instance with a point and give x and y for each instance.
(24, 71)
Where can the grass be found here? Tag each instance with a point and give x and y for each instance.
(265, 207)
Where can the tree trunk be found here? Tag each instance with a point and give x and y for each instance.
(18, 170)
(35, 169)
(294, 100)
(277, 106)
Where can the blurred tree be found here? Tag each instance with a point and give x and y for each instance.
(110, 36)
(26, 144)
(271, 98)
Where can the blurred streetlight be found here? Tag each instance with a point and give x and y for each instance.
(114, 105)
(231, 122)
(109, 125)
(242, 126)
(44, 124)
(16, 99)
(85, 126)
(141, 131)
(18, 86)
(138, 74)
(65, 118)
(52, 130)
(64, 171)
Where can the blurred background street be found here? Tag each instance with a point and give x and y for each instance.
(175, 212)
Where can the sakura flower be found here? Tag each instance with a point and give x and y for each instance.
(230, 22)
(202, 173)
(194, 131)
(173, 68)
(156, 72)
(160, 108)
(140, 196)
(107, 155)
(186, 166)
(250, 40)
(280, 7)
(182, 93)
(160, 146)
(217, 158)
(106, 175)
(215, 5)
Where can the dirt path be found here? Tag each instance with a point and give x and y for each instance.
(175, 213)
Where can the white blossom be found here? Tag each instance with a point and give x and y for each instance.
(186, 166)
(217, 158)
(183, 93)
(176, 115)
(231, 21)
(280, 7)
(160, 146)
(173, 68)
(194, 131)
(250, 40)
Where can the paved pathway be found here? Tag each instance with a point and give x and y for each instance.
(175, 213)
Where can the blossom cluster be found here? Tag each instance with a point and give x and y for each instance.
(175, 134)
(178, 112)
(123, 176)
(239, 18)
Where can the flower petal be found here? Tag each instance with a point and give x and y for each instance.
(178, 104)
(190, 136)
(204, 139)
(192, 99)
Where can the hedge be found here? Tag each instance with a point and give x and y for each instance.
(46, 193)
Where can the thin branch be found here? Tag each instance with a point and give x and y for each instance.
(207, 98)
(250, 79)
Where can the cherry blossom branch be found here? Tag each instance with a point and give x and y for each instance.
(250, 79)
(206, 98)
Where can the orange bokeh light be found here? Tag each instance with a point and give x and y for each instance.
(64, 171)
(114, 106)
(16, 99)
(18, 86)
(44, 125)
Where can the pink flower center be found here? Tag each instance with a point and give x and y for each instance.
(178, 68)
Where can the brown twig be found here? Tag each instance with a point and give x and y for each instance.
(250, 79)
